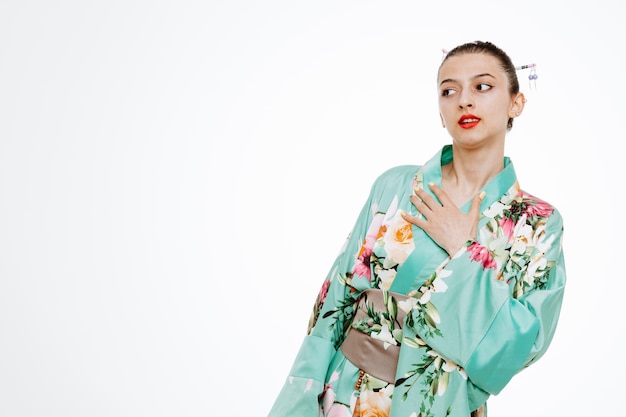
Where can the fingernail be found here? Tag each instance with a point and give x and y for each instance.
(482, 195)
(430, 184)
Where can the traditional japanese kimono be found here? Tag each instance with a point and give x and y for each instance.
(461, 326)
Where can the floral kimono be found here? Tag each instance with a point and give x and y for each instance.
(462, 326)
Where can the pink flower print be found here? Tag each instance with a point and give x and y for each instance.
(362, 264)
(537, 207)
(332, 409)
(479, 253)
(508, 227)
(339, 410)
(321, 296)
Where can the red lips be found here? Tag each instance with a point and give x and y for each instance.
(468, 121)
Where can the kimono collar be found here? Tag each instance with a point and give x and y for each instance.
(495, 188)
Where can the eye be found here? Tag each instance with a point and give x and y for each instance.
(483, 87)
(447, 92)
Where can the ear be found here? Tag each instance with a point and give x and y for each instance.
(442, 122)
(517, 105)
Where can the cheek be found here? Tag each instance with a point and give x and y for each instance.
(445, 110)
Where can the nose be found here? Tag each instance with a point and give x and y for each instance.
(466, 100)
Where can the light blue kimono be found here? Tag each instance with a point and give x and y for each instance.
(473, 319)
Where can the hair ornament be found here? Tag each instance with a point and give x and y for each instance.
(532, 77)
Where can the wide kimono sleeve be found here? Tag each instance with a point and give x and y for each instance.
(329, 321)
(494, 320)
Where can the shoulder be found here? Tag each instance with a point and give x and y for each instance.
(393, 183)
(537, 207)
(397, 176)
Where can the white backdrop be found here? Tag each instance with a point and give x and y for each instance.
(177, 177)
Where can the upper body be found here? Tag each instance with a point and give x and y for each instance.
(479, 259)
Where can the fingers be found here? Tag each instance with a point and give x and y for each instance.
(475, 207)
(417, 221)
(421, 207)
(441, 195)
(426, 204)
(425, 199)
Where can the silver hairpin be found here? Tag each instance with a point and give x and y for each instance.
(532, 77)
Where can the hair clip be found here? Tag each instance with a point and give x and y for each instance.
(532, 77)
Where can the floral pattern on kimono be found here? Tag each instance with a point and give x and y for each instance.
(473, 320)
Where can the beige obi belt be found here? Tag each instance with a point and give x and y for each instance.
(373, 356)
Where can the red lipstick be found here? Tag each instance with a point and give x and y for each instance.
(468, 121)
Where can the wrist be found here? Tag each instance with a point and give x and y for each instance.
(457, 248)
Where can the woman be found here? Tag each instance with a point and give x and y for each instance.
(452, 279)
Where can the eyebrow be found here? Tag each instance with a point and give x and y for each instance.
(486, 74)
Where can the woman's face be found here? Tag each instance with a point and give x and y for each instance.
(474, 99)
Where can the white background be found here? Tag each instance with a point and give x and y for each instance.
(176, 178)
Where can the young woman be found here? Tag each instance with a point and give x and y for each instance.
(452, 279)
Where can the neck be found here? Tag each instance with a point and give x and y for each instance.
(470, 171)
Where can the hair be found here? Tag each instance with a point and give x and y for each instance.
(480, 47)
